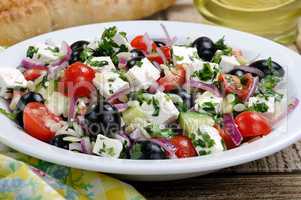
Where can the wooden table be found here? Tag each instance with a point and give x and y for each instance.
(275, 177)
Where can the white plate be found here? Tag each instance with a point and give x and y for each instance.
(162, 169)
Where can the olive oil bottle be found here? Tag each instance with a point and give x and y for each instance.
(274, 19)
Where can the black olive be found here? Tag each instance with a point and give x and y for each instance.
(77, 48)
(24, 100)
(206, 48)
(59, 142)
(137, 53)
(147, 150)
(132, 62)
(186, 97)
(159, 43)
(103, 119)
(269, 67)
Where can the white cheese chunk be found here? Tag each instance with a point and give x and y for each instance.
(11, 78)
(121, 40)
(207, 102)
(107, 147)
(101, 63)
(109, 83)
(160, 109)
(202, 71)
(47, 53)
(185, 55)
(228, 63)
(207, 140)
(143, 75)
(57, 103)
(268, 101)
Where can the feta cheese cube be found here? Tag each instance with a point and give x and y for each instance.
(228, 63)
(160, 109)
(57, 103)
(11, 78)
(109, 83)
(107, 147)
(121, 40)
(261, 104)
(202, 71)
(143, 75)
(185, 55)
(207, 140)
(101, 63)
(208, 103)
(47, 53)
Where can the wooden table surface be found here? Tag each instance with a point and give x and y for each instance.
(275, 177)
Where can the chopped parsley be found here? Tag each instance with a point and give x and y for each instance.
(107, 150)
(206, 74)
(209, 107)
(31, 51)
(155, 131)
(179, 58)
(267, 85)
(204, 141)
(260, 107)
(9, 115)
(53, 50)
(220, 45)
(156, 104)
(97, 63)
(86, 54)
(136, 151)
(139, 63)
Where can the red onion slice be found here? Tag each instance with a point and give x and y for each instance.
(253, 88)
(67, 51)
(121, 106)
(165, 144)
(29, 63)
(169, 41)
(252, 70)
(72, 108)
(137, 135)
(124, 138)
(204, 86)
(53, 71)
(119, 94)
(232, 130)
(149, 42)
(161, 54)
(86, 145)
(293, 104)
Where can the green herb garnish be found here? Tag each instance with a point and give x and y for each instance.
(31, 51)
(206, 74)
(9, 115)
(220, 45)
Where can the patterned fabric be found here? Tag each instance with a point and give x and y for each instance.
(25, 178)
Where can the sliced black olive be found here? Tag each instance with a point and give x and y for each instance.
(132, 62)
(206, 48)
(269, 67)
(137, 53)
(24, 100)
(147, 150)
(159, 43)
(77, 48)
(59, 142)
(103, 119)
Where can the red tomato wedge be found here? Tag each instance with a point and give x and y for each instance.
(226, 137)
(139, 43)
(34, 73)
(174, 79)
(155, 57)
(184, 146)
(252, 124)
(35, 116)
(78, 79)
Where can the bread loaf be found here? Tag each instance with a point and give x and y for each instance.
(21, 19)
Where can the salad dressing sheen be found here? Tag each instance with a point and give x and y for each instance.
(275, 19)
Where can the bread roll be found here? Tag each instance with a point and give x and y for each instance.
(21, 19)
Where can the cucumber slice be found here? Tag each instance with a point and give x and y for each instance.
(133, 113)
(191, 121)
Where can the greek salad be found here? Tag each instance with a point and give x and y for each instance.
(144, 98)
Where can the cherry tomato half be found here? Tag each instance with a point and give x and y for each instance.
(184, 146)
(139, 43)
(156, 58)
(252, 124)
(35, 116)
(174, 79)
(78, 79)
(233, 84)
(34, 73)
